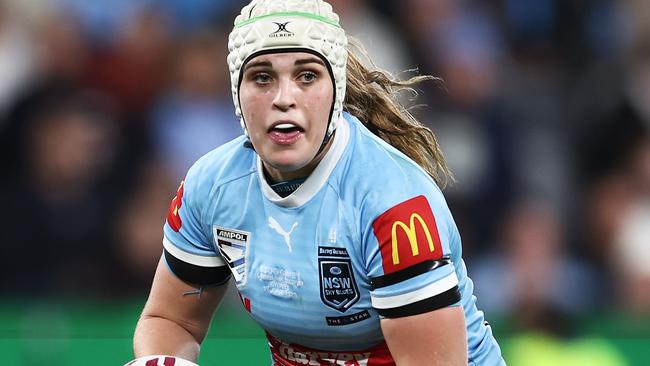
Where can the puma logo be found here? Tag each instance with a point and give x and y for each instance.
(273, 224)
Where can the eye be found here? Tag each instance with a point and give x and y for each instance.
(308, 77)
(261, 78)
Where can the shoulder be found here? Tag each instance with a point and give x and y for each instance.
(227, 162)
(381, 177)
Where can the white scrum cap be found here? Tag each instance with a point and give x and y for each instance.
(268, 26)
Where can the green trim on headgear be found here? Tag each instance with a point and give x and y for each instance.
(290, 14)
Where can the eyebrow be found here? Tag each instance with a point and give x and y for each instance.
(302, 61)
(258, 64)
(309, 60)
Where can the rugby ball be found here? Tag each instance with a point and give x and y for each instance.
(160, 360)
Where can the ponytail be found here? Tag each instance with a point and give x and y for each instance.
(371, 96)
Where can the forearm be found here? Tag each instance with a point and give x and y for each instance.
(176, 318)
(160, 336)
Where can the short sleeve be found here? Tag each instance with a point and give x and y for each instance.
(408, 257)
(188, 249)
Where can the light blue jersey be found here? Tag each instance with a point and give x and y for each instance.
(367, 235)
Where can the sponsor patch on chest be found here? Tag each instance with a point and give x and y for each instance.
(338, 288)
(233, 246)
(290, 354)
(280, 282)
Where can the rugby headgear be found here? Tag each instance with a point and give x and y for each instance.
(269, 26)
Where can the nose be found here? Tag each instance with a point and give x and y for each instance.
(284, 97)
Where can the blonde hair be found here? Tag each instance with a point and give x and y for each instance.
(372, 96)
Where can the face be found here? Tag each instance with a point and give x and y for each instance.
(286, 100)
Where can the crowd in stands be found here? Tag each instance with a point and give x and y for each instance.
(542, 110)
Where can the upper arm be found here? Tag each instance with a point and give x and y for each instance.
(409, 252)
(189, 281)
(409, 259)
(172, 299)
(188, 242)
(190, 261)
(434, 338)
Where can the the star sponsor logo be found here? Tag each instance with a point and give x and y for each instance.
(347, 319)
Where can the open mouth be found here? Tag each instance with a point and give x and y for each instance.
(286, 127)
(285, 133)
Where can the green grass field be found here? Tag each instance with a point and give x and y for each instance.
(99, 334)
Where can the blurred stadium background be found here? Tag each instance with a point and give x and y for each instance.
(544, 116)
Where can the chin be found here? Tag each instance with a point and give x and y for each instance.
(287, 166)
(288, 160)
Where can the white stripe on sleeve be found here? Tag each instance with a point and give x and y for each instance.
(197, 260)
(436, 288)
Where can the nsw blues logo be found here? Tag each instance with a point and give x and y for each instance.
(338, 289)
(233, 246)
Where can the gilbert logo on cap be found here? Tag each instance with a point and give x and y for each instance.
(282, 31)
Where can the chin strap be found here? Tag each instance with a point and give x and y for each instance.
(326, 139)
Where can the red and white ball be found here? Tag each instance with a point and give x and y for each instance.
(160, 360)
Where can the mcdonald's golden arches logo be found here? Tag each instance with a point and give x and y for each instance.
(407, 235)
(411, 235)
